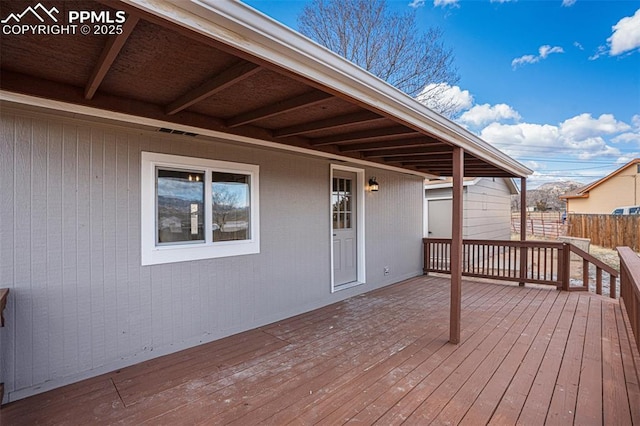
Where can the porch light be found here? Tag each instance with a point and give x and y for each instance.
(373, 184)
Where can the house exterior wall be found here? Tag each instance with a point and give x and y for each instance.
(81, 303)
(486, 209)
(622, 189)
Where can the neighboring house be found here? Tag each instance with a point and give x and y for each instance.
(617, 189)
(203, 172)
(486, 206)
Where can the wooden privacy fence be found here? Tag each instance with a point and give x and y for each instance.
(606, 230)
(630, 288)
(536, 262)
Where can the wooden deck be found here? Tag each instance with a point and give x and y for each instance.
(528, 356)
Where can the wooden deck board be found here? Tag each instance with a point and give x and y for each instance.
(563, 402)
(616, 402)
(516, 393)
(538, 400)
(528, 355)
(589, 406)
(631, 363)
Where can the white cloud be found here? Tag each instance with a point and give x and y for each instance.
(417, 3)
(546, 50)
(500, 1)
(443, 93)
(627, 138)
(568, 3)
(626, 35)
(483, 114)
(583, 126)
(581, 137)
(543, 53)
(520, 139)
(443, 3)
(526, 59)
(578, 45)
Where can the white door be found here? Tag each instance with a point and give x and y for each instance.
(344, 227)
(439, 218)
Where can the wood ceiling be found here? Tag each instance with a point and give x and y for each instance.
(158, 70)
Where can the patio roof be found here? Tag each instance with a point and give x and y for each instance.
(529, 356)
(217, 68)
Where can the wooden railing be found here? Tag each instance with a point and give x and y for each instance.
(4, 295)
(630, 288)
(535, 262)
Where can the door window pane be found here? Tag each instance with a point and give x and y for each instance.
(231, 201)
(180, 206)
(341, 203)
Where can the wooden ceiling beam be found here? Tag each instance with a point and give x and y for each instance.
(419, 158)
(225, 79)
(109, 54)
(433, 158)
(389, 145)
(287, 105)
(386, 133)
(422, 150)
(332, 123)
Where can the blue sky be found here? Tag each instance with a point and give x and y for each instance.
(555, 84)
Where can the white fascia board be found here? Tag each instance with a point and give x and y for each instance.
(511, 184)
(78, 111)
(429, 186)
(242, 27)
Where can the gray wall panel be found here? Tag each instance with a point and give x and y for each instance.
(486, 209)
(80, 302)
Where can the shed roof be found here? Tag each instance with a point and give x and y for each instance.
(467, 181)
(220, 67)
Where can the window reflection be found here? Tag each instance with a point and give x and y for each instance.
(231, 206)
(180, 206)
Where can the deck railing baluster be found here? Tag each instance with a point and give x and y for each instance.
(544, 262)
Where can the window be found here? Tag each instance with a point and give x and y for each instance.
(341, 200)
(197, 209)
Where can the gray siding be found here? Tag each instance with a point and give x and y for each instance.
(486, 207)
(81, 304)
(487, 210)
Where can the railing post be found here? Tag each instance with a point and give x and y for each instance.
(427, 256)
(566, 266)
(523, 229)
(612, 286)
(4, 295)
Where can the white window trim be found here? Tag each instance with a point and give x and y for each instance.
(360, 227)
(153, 254)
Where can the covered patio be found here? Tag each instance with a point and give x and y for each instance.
(527, 355)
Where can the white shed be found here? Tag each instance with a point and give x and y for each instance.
(486, 204)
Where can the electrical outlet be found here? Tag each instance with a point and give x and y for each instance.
(386, 270)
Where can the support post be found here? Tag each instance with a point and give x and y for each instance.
(523, 229)
(456, 247)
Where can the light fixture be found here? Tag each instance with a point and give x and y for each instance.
(373, 184)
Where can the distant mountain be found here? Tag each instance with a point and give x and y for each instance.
(547, 196)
